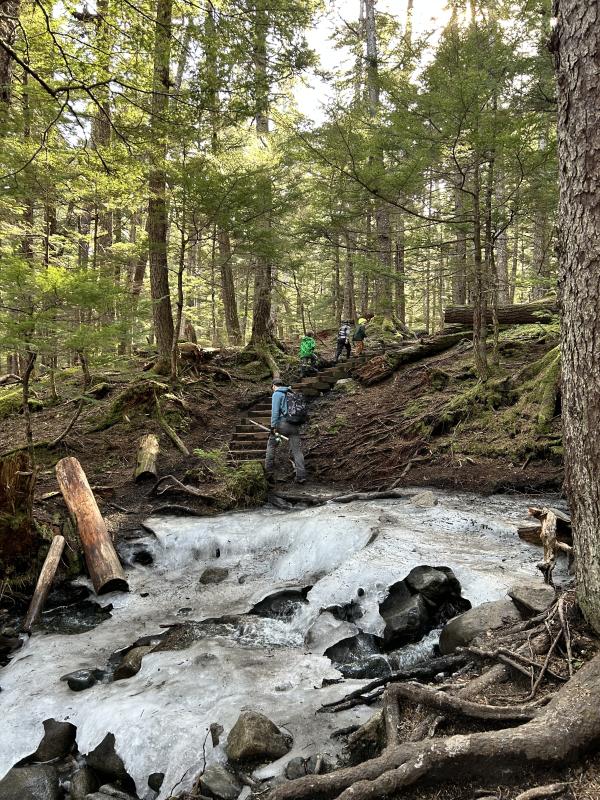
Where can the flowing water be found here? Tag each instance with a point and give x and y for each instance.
(226, 659)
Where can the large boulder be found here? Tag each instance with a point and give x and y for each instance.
(220, 783)
(83, 782)
(354, 649)
(254, 737)
(461, 630)
(105, 760)
(532, 597)
(432, 583)
(33, 782)
(406, 616)
(59, 738)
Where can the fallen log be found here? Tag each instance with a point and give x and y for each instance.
(381, 367)
(147, 455)
(101, 558)
(44, 582)
(523, 314)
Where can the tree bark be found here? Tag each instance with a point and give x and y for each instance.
(576, 40)
(9, 13)
(44, 582)
(147, 456)
(232, 322)
(102, 561)
(157, 188)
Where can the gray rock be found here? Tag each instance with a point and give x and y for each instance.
(104, 760)
(83, 782)
(461, 630)
(59, 738)
(216, 731)
(406, 617)
(219, 782)
(255, 737)
(132, 662)
(33, 782)
(432, 583)
(367, 668)
(532, 597)
(355, 649)
(296, 768)
(214, 575)
(347, 385)
(80, 679)
(424, 500)
(155, 781)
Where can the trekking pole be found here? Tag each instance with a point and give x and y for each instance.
(264, 428)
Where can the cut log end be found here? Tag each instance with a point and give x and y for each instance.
(113, 585)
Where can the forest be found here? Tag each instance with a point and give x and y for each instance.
(299, 391)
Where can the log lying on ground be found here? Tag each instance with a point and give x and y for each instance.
(147, 455)
(44, 582)
(523, 314)
(564, 730)
(531, 531)
(381, 367)
(101, 558)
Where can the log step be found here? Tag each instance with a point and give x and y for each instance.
(238, 446)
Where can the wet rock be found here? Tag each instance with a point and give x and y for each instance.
(327, 631)
(80, 679)
(388, 519)
(317, 765)
(346, 612)
(355, 649)
(296, 768)
(406, 616)
(367, 668)
(219, 782)
(432, 583)
(532, 597)
(59, 738)
(107, 791)
(214, 575)
(461, 630)
(132, 662)
(33, 782)
(216, 732)
(104, 760)
(282, 603)
(424, 500)
(83, 782)
(255, 737)
(155, 781)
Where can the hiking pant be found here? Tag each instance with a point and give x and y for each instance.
(308, 365)
(341, 344)
(359, 346)
(292, 431)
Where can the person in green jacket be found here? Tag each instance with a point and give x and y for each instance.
(360, 334)
(308, 358)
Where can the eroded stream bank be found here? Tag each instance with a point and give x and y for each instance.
(213, 646)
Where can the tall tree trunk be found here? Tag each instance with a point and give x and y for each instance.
(577, 41)
(336, 289)
(232, 322)
(157, 187)
(479, 281)
(459, 268)
(261, 317)
(9, 14)
(383, 283)
(348, 305)
(400, 297)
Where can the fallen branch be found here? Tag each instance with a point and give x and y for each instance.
(386, 495)
(179, 486)
(44, 582)
(169, 430)
(543, 792)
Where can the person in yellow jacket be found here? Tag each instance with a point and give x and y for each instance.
(360, 334)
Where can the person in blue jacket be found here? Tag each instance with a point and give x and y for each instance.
(291, 430)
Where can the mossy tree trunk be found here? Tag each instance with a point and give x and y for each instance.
(19, 541)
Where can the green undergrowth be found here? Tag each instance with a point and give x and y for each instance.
(242, 485)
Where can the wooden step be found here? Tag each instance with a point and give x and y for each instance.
(258, 412)
(236, 446)
(247, 455)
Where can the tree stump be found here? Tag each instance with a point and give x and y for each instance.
(147, 455)
(19, 540)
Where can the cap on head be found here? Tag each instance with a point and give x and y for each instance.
(310, 333)
(362, 321)
(278, 382)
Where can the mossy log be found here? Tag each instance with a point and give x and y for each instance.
(138, 397)
(524, 314)
(382, 367)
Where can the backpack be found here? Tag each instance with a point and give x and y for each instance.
(296, 407)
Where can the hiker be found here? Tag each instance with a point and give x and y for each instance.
(343, 340)
(288, 412)
(360, 334)
(308, 358)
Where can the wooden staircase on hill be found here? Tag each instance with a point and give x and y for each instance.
(249, 443)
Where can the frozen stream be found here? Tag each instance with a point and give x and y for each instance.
(160, 716)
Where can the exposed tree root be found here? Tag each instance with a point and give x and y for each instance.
(559, 734)
(543, 792)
